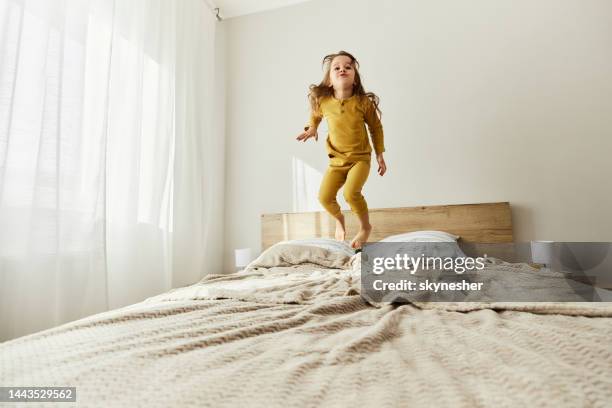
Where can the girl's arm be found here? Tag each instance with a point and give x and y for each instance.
(382, 166)
(375, 126)
(307, 134)
(315, 119)
(376, 132)
(310, 130)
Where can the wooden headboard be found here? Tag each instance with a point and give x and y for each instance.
(477, 223)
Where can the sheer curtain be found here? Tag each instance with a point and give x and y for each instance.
(105, 155)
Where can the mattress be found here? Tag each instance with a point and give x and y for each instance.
(293, 330)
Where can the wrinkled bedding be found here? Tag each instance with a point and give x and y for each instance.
(293, 330)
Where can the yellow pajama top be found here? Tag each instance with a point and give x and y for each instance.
(347, 139)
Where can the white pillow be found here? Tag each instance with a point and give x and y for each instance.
(325, 243)
(422, 236)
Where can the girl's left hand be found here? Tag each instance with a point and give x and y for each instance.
(382, 166)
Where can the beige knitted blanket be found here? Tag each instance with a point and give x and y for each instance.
(292, 330)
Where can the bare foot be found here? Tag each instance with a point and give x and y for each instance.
(361, 237)
(340, 230)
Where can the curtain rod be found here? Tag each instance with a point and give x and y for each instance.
(213, 9)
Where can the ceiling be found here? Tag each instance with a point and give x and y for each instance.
(235, 8)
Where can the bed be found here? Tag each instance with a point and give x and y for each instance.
(291, 329)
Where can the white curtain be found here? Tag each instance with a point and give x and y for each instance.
(107, 193)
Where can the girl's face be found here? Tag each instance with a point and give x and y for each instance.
(342, 72)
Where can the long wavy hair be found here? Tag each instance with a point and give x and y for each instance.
(325, 88)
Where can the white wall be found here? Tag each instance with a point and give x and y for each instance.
(482, 101)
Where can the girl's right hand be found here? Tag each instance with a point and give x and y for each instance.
(307, 134)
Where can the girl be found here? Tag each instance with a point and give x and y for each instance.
(341, 99)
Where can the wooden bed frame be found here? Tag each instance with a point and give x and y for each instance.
(474, 223)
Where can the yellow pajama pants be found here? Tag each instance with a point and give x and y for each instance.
(353, 176)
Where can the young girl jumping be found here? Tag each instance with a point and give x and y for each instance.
(342, 100)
